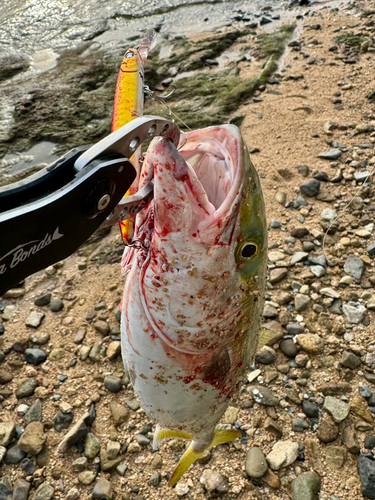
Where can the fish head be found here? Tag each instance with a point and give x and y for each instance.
(203, 269)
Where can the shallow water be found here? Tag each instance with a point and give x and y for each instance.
(42, 30)
(32, 25)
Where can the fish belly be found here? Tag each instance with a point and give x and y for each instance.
(161, 376)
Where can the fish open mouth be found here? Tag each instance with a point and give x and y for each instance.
(196, 189)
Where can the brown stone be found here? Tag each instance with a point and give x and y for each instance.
(350, 440)
(271, 426)
(327, 431)
(120, 413)
(311, 343)
(271, 479)
(335, 456)
(337, 389)
(5, 377)
(33, 439)
(359, 407)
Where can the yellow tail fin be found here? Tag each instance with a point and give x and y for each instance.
(191, 454)
(162, 434)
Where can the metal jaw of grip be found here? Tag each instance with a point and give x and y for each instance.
(47, 216)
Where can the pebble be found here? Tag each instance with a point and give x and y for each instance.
(318, 271)
(133, 404)
(33, 439)
(43, 300)
(39, 338)
(57, 354)
(335, 456)
(294, 328)
(181, 489)
(73, 494)
(310, 409)
(306, 486)
(371, 249)
(354, 267)
(332, 154)
(354, 314)
(155, 479)
(34, 413)
(62, 420)
(56, 305)
(263, 396)
(44, 492)
(21, 489)
(277, 275)
(266, 356)
(214, 481)
(14, 455)
(35, 356)
(328, 214)
(350, 440)
(27, 388)
(79, 464)
(120, 413)
(28, 466)
(231, 415)
(7, 431)
(311, 343)
(92, 445)
(102, 327)
(35, 319)
(301, 302)
(339, 410)
(369, 442)
(350, 360)
(283, 454)
(102, 490)
(366, 471)
(5, 377)
(86, 477)
(299, 424)
(299, 232)
(310, 188)
(298, 257)
(361, 176)
(359, 407)
(112, 384)
(3, 451)
(288, 347)
(256, 464)
(75, 434)
(113, 350)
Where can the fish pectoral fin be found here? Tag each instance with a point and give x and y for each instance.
(191, 455)
(221, 437)
(187, 459)
(161, 434)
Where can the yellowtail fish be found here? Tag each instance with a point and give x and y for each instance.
(128, 104)
(194, 288)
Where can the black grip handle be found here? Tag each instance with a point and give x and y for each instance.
(51, 228)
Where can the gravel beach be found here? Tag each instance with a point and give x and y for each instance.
(70, 424)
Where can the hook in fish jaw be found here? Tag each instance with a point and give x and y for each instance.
(137, 244)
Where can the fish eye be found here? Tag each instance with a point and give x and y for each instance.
(248, 251)
(129, 55)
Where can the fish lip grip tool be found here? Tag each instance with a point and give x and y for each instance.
(47, 216)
